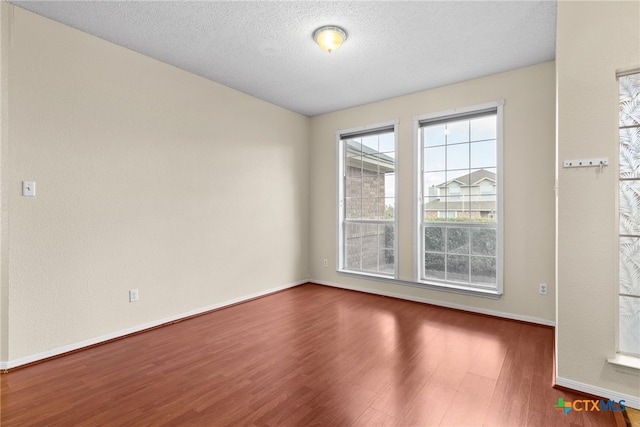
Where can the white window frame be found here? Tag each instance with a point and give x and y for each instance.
(633, 359)
(418, 249)
(340, 191)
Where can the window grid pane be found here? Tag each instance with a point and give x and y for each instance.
(368, 233)
(446, 245)
(629, 214)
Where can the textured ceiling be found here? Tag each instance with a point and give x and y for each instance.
(265, 48)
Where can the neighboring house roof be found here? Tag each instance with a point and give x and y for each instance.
(471, 179)
(371, 156)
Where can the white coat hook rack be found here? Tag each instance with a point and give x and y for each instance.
(581, 163)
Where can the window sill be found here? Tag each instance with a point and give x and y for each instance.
(461, 289)
(367, 275)
(485, 293)
(625, 361)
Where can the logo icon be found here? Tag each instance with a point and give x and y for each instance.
(563, 406)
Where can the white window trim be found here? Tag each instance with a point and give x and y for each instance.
(340, 198)
(417, 199)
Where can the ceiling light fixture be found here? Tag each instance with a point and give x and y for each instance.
(329, 37)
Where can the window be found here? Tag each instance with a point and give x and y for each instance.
(629, 206)
(459, 231)
(487, 188)
(367, 200)
(454, 191)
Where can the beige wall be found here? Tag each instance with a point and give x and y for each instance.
(147, 177)
(529, 129)
(4, 248)
(594, 39)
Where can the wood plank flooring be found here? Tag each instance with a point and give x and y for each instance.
(307, 356)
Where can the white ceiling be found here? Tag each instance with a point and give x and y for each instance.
(265, 49)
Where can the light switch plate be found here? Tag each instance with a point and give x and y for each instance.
(29, 188)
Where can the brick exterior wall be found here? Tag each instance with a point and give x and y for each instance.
(365, 195)
(365, 200)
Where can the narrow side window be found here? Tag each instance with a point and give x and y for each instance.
(367, 217)
(629, 214)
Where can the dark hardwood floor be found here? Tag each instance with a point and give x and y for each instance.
(307, 356)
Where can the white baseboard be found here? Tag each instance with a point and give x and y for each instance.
(630, 401)
(511, 316)
(139, 328)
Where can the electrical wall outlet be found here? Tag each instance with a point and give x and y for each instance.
(542, 288)
(29, 188)
(325, 263)
(133, 295)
